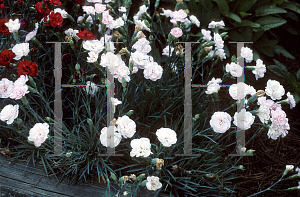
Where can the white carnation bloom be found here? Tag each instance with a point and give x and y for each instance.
(243, 119)
(167, 13)
(142, 45)
(9, 113)
(153, 183)
(93, 57)
(72, 32)
(121, 71)
(240, 90)
(247, 53)
(195, 20)
(214, 24)
(21, 50)
(6, 88)
(89, 19)
(276, 130)
(206, 34)
(166, 136)
(100, 8)
(139, 59)
(153, 71)
(220, 122)
(263, 113)
(274, 90)
(63, 12)
(126, 126)
(221, 54)
(140, 147)
(260, 69)
(142, 24)
(115, 101)
(38, 133)
(219, 43)
(13, 25)
(213, 86)
(89, 9)
(235, 69)
(95, 46)
(167, 52)
(105, 137)
(122, 9)
(91, 88)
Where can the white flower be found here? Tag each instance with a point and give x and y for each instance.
(274, 90)
(214, 24)
(274, 131)
(21, 81)
(91, 88)
(38, 133)
(115, 101)
(206, 34)
(140, 147)
(63, 12)
(289, 167)
(89, 9)
(105, 137)
(89, 19)
(247, 53)
(13, 25)
(21, 50)
(32, 34)
(153, 183)
(195, 20)
(126, 126)
(122, 9)
(291, 100)
(142, 45)
(240, 90)
(100, 8)
(139, 59)
(72, 32)
(19, 92)
(125, 193)
(263, 113)
(119, 22)
(95, 46)
(213, 86)
(95, 1)
(142, 24)
(166, 136)
(235, 69)
(167, 13)
(220, 122)
(221, 54)
(121, 71)
(166, 50)
(153, 71)
(6, 88)
(110, 60)
(243, 119)
(219, 43)
(260, 69)
(92, 57)
(9, 113)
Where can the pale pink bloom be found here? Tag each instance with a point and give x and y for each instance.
(92, 57)
(142, 45)
(122, 71)
(220, 122)
(89, 9)
(291, 100)
(166, 50)
(278, 117)
(6, 88)
(106, 18)
(176, 32)
(38, 133)
(100, 8)
(135, 69)
(153, 71)
(274, 106)
(179, 15)
(139, 59)
(19, 92)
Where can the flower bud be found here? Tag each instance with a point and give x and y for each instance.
(89, 121)
(140, 177)
(113, 176)
(287, 169)
(130, 112)
(77, 67)
(19, 121)
(250, 151)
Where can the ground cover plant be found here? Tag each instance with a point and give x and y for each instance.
(120, 75)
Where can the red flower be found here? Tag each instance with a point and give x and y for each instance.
(26, 67)
(24, 23)
(45, 11)
(6, 57)
(55, 19)
(2, 7)
(38, 6)
(20, 2)
(3, 27)
(55, 2)
(86, 35)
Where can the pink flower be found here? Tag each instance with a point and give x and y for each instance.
(176, 32)
(278, 117)
(100, 8)
(106, 18)
(135, 69)
(19, 92)
(179, 15)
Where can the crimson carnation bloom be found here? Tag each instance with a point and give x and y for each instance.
(55, 19)
(24, 23)
(2, 7)
(6, 57)
(26, 67)
(45, 11)
(20, 2)
(55, 2)
(81, 2)
(3, 27)
(86, 35)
